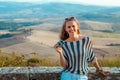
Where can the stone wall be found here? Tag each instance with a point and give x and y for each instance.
(48, 73)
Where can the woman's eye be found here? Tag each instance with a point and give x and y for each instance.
(73, 26)
(68, 26)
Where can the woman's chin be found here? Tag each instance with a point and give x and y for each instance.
(72, 33)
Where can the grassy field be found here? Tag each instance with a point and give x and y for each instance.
(105, 44)
(99, 34)
(15, 60)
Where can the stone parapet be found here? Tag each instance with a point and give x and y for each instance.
(48, 73)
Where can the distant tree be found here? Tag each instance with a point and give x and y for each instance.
(34, 53)
(27, 32)
(33, 61)
(0, 50)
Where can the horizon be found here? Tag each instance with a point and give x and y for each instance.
(85, 2)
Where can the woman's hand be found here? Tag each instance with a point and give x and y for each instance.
(62, 59)
(98, 69)
(58, 48)
(103, 73)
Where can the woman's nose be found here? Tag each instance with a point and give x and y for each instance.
(71, 27)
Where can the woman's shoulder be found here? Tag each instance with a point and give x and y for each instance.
(87, 38)
(83, 37)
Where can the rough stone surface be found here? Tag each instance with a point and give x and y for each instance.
(49, 73)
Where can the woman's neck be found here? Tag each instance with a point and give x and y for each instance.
(74, 37)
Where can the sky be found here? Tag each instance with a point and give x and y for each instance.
(86, 2)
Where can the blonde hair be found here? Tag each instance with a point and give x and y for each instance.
(63, 34)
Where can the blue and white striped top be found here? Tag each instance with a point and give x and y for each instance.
(77, 54)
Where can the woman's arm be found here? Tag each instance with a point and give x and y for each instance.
(93, 59)
(62, 58)
(99, 69)
(95, 64)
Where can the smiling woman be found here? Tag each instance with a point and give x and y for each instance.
(75, 51)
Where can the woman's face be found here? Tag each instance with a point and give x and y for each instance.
(71, 27)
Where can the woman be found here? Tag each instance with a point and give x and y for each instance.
(75, 51)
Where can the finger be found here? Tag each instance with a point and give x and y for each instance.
(107, 71)
(56, 46)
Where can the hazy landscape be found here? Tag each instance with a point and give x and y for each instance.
(30, 27)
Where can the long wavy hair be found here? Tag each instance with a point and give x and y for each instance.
(63, 34)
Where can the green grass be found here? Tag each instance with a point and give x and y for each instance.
(109, 62)
(15, 60)
(106, 35)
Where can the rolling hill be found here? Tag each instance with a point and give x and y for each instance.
(14, 15)
(44, 10)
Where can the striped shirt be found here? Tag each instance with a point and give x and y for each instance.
(77, 54)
